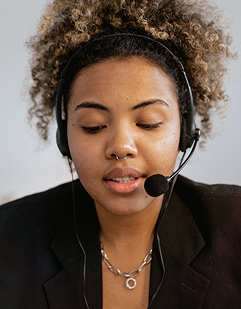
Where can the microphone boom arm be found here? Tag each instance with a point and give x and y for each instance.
(196, 137)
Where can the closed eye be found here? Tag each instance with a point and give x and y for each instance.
(148, 126)
(93, 129)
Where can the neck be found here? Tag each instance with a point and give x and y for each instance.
(129, 231)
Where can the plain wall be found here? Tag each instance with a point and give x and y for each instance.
(28, 165)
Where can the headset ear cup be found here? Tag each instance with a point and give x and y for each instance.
(183, 134)
(62, 140)
(187, 135)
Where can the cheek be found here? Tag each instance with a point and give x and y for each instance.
(163, 151)
(87, 160)
(85, 168)
(84, 159)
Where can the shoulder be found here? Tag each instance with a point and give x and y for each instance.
(38, 212)
(215, 207)
(209, 195)
(205, 190)
(42, 202)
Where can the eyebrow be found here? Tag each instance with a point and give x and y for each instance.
(149, 102)
(98, 106)
(92, 105)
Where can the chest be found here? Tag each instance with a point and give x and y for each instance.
(117, 295)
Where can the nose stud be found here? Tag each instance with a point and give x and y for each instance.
(118, 158)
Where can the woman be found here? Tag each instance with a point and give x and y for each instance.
(124, 110)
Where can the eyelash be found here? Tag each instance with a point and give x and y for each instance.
(149, 126)
(93, 130)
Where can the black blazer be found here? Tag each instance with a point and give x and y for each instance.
(41, 262)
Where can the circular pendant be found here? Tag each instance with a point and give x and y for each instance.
(131, 287)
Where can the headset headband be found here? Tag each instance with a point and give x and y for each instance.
(188, 128)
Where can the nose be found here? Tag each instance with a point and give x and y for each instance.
(121, 143)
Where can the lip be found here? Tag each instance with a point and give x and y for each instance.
(123, 187)
(123, 172)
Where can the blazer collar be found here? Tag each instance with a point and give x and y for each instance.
(181, 241)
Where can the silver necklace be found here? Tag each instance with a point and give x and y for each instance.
(131, 275)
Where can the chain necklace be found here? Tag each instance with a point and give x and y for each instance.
(131, 275)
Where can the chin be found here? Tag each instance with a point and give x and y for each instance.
(127, 207)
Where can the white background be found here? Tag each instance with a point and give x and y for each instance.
(28, 165)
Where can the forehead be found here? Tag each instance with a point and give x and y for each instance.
(113, 80)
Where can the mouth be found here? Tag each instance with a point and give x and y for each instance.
(123, 180)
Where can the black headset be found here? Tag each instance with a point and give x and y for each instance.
(188, 127)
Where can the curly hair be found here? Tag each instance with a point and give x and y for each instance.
(193, 28)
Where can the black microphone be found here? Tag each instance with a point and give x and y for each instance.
(158, 184)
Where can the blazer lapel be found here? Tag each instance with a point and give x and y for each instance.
(76, 281)
(181, 242)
